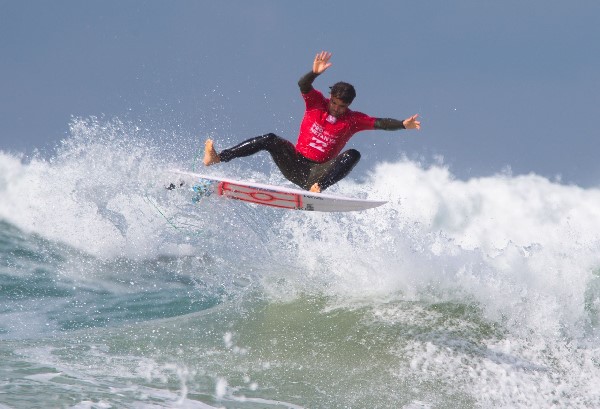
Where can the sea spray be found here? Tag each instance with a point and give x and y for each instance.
(457, 293)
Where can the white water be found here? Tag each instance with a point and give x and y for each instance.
(524, 250)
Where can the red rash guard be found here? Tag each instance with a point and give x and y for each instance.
(323, 137)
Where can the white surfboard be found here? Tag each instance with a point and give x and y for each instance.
(275, 196)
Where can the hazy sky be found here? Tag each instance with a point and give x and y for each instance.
(499, 84)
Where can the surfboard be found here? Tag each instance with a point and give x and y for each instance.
(269, 195)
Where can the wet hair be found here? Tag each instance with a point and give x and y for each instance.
(343, 91)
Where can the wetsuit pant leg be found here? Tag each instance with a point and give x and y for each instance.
(269, 142)
(292, 165)
(329, 173)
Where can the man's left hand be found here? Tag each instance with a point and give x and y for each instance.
(412, 122)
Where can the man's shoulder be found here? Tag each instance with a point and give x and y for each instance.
(313, 93)
(314, 99)
(360, 119)
(357, 115)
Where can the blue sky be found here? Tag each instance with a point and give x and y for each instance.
(511, 84)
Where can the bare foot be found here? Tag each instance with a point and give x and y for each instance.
(315, 188)
(210, 154)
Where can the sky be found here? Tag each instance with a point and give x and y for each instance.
(501, 86)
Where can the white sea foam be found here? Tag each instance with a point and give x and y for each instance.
(522, 246)
(522, 249)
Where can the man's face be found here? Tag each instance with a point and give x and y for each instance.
(337, 107)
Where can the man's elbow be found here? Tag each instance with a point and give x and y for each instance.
(304, 88)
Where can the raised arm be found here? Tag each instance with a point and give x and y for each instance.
(320, 64)
(390, 124)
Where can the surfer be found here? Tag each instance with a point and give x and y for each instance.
(315, 163)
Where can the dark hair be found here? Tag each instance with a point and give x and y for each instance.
(343, 91)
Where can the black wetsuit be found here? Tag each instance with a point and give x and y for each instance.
(295, 167)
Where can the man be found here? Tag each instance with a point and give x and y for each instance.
(315, 163)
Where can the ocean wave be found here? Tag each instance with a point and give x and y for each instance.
(478, 292)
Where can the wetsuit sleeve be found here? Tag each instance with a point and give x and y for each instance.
(305, 83)
(389, 124)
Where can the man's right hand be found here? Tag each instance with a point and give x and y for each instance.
(321, 62)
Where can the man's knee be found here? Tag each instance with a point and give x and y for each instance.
(269, 137)
(351, 155)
